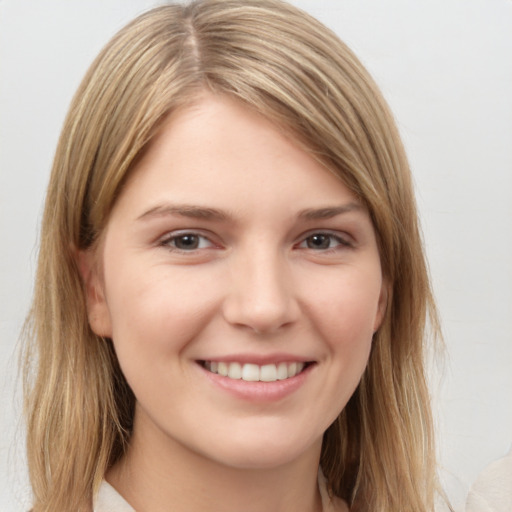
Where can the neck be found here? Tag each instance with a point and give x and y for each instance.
(152, 476)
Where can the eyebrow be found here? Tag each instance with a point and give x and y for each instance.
(330, 211)
(205, 213)
(185, 210)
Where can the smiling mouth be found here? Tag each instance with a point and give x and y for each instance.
(253, 372)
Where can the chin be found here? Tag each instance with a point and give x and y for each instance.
(266, 452)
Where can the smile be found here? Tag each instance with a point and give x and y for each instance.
(253, 372)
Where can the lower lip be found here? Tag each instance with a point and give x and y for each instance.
(259, 391)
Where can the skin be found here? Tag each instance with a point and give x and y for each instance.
(229, 242)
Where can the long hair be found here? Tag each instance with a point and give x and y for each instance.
(282, 63)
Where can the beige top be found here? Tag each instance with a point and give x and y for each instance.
(109, 500)
(492, 490)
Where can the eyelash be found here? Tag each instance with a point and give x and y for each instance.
(340, 241)
(170, 241)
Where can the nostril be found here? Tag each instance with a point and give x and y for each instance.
(261, 318)
(261, 297)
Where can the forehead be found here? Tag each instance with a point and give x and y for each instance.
(219, 149)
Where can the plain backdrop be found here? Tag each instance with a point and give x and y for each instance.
(445, 67)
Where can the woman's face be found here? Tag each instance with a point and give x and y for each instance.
(241, 285)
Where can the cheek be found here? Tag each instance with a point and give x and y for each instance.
(156, 312)
(154, 322)
(344, 311)
(345, 320)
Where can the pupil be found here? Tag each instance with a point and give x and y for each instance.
(187, 242)
(318, 242)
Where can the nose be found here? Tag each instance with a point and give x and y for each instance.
(262, 296)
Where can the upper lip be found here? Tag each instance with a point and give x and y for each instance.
(259, 359)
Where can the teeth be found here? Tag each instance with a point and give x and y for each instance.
(235, 371)
(223, 369)
(268, 373)
(253, 372)
(250, 372)
(282, 371)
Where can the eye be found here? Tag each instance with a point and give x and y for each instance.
(186, 242)
(323, 242)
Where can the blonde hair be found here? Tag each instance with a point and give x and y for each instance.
(277, 60)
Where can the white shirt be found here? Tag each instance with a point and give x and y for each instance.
(109, 500)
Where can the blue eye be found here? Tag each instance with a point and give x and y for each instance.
(187, 242)
(322, 242)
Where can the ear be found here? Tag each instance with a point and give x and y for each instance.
(382, 305)
(97, 307)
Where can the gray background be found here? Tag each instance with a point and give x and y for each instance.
(445, 66)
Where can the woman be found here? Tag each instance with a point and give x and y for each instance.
(231, 294)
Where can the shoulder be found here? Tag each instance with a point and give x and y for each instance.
(492, 490)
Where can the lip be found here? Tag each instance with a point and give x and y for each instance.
(260, 359)
(259, 391)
